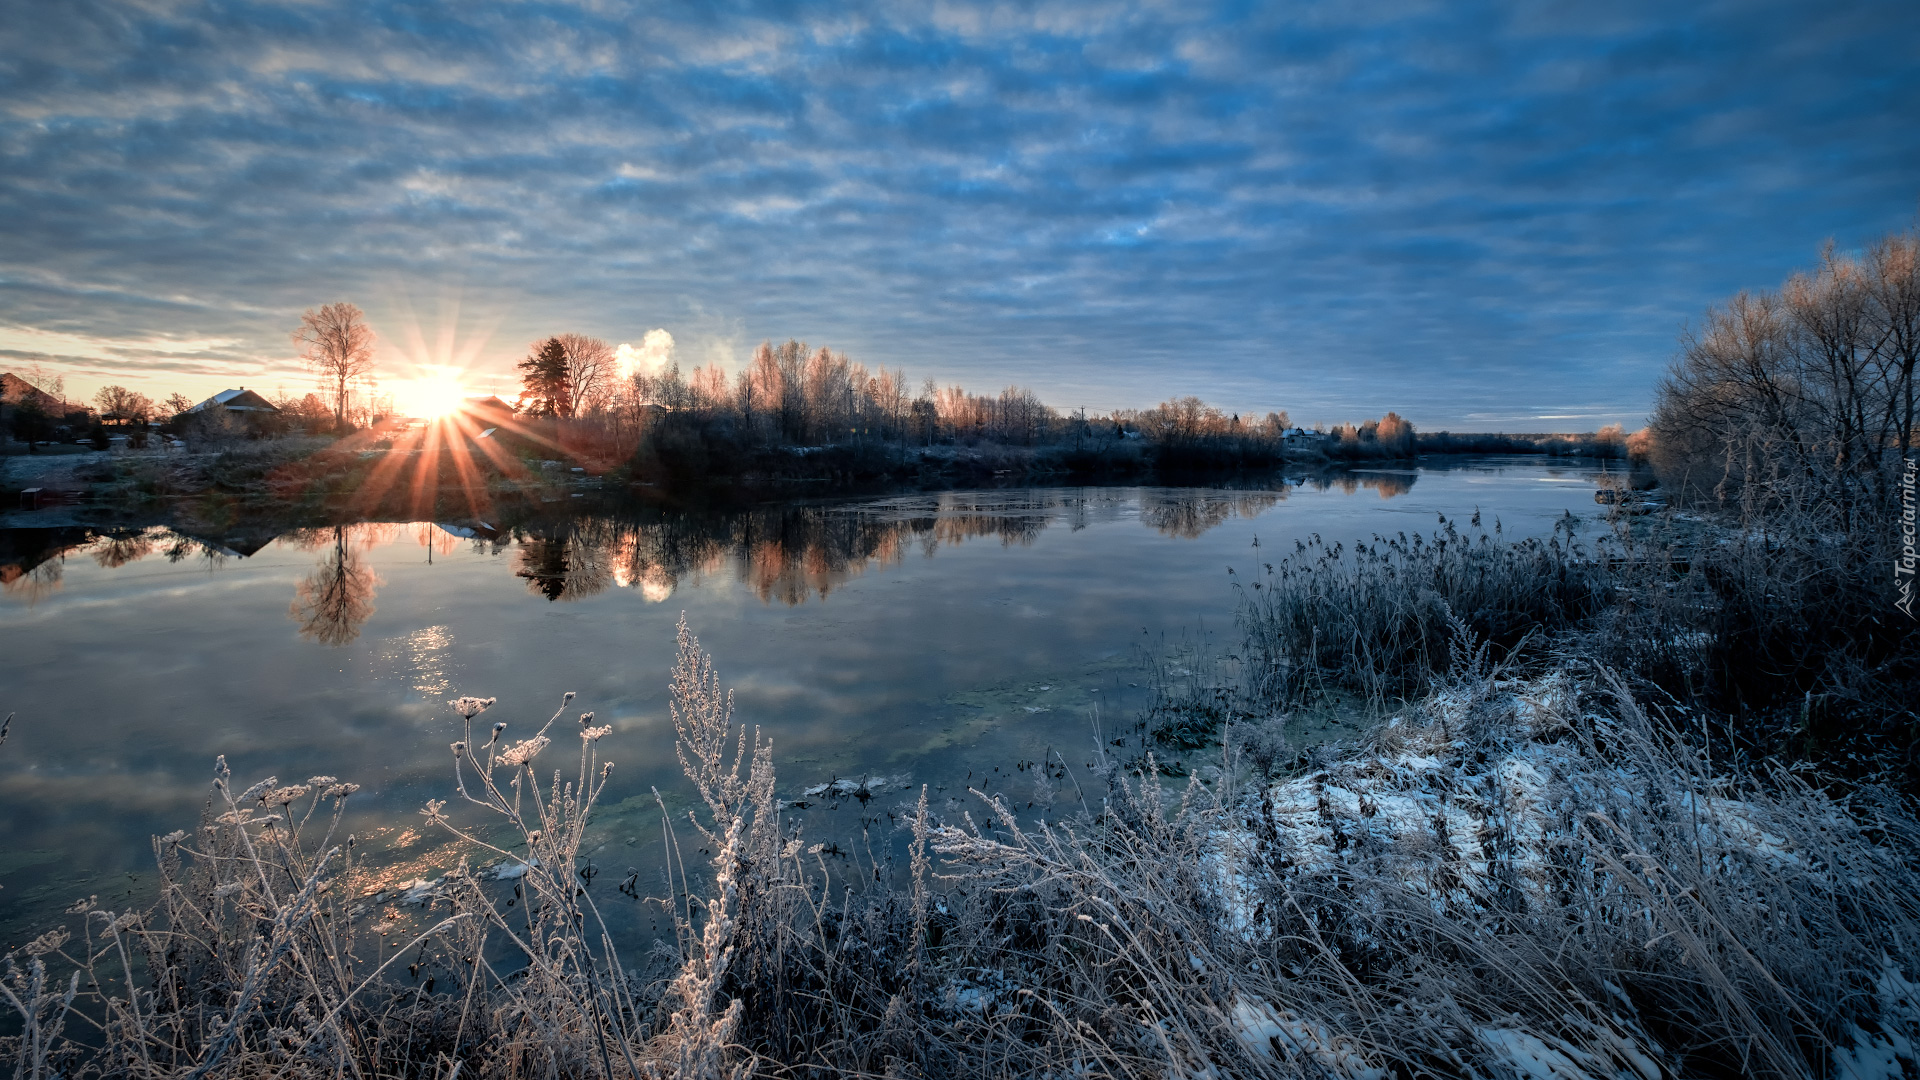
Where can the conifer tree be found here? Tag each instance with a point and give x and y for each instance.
(543, 380)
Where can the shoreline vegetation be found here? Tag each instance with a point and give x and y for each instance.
(1637, 805)
(424, 473)
(795, 419)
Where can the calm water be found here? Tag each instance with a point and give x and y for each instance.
(915, 638)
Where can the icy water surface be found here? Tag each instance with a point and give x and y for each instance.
(912, 639)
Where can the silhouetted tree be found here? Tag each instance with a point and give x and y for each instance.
(543, 380)
(338, 347)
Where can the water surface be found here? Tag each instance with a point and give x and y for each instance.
(921, 639)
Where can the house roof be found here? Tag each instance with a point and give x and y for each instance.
(15, 390)
(240, 400)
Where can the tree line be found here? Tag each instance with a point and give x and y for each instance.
(793, 394)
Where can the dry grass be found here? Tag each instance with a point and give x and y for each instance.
(1518, 876)
(1379, 619)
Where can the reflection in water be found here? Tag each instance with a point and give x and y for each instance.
(122, 546)
(1188, 514)
(783, 553)
(1387, 483)
(336, 599)
(568, 562)
(790, 553)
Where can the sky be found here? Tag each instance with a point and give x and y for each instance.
(1483, 216)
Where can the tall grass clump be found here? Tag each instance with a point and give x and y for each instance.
(1378, 619)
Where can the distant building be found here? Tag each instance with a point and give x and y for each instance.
(241, 401)
(1302, 439)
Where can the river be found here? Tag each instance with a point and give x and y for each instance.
(922, 638)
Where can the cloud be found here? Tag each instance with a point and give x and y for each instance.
(653, 355)
(1462, 208)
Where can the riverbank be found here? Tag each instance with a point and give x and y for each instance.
(1510, 877)
(413, 470)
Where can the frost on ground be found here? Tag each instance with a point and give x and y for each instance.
(1565, 889)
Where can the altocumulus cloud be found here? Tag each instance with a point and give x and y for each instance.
(1481, 215)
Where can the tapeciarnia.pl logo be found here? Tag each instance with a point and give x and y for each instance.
(1903, 566)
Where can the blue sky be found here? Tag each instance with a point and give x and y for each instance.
(1482, 216)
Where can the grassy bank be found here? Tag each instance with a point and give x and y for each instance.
(1514, 875)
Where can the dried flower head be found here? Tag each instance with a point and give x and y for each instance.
(586, 718)
(470, 707)
(523, 752)
(606, 770)
(124, 923)
(235, 817)
(594, 734)
(174, 837)
(432, 811)
(81, 907)
(258, 789)
(285, 795)
(322, 781)
(340, 791)
(228, 889)
(458, 748)
(47, 942)
(568, 697)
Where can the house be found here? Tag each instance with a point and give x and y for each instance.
(15, 390)
(1302, 439)
(242, 401)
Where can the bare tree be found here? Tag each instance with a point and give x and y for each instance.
(120, 403)
(176, 404)
(1810, 389)
(590, 372)
(338, 347)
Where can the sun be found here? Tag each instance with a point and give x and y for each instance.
(434, 393)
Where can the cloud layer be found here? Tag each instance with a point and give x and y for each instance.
(1479, 215)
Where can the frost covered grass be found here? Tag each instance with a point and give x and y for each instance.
(1379, 619)
(1779, 626)
(1529, 877)
(1540, 877)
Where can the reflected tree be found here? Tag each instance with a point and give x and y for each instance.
(336, 599)
(1189, 514)
(572, 562)
(120, 547)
